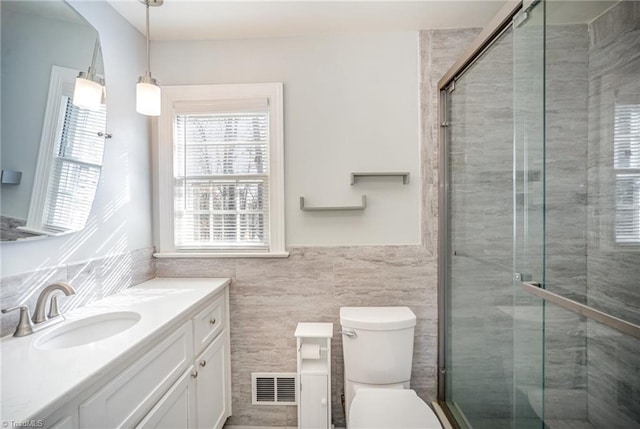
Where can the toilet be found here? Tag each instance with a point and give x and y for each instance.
(377, 343)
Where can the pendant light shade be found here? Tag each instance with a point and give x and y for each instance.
(148, 96)
(88, 89)
(87, 93)
(148, 93)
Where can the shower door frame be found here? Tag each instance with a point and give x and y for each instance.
(500, 22)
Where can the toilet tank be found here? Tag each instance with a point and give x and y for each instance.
(377, 344)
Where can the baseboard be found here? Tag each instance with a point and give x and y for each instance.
(259, 427)
(267, 427)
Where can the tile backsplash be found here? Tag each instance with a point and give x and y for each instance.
(93, 279)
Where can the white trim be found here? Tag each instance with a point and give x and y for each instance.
(185, 254)
(41, 231)
(270, 427)
(61, 83)
(263, 427)
(174, 98)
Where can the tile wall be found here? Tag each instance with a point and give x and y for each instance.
(270, 296)
(613, 270)
(93, 279)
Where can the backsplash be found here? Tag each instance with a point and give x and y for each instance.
(268, 297)
(9, 229)
(92, 279)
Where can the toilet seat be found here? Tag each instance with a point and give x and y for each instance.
(390, 409)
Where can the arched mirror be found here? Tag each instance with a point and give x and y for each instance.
(53, 116)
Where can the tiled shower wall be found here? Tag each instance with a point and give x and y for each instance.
(613, 363)
(93, 279)
(270, 296)
(565, 374)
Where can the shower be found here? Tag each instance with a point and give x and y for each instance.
(539, 214)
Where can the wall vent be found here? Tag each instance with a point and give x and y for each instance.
(269, 388)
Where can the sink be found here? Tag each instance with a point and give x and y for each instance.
(87, 330)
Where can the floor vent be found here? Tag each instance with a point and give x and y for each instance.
(268, 388)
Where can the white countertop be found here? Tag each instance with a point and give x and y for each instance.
(36, 382)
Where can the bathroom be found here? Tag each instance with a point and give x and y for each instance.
(465, 226)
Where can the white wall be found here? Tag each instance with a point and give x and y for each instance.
(351, 104)
(121, 216)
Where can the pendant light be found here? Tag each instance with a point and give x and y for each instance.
(147, 90)
(88, 89)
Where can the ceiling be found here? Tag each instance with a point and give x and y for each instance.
(240, 19)
(211, 20)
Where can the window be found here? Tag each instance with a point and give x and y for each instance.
(220, 171)
(76, 167)
(626, 161)
(69, 162)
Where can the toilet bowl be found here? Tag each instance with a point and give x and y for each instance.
(391, 409)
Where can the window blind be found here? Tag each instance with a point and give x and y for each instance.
(76, 167)
(626, 160)
(221, 179)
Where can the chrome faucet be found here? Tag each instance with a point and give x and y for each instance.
(25, 327)
(38, 316)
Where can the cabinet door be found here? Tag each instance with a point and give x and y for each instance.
(212, 391)
(177, 407)
(313, 401)
(64, 418)
(131, 395)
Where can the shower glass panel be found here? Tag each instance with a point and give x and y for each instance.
(592, 249)
(529, 216)
(542, 143)
(479, 338)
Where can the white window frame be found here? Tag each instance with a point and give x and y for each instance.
(180, 94)
(620, 174)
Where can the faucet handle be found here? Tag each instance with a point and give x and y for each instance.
(25, 327)
(53, 308)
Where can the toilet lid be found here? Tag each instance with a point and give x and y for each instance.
(390, 409)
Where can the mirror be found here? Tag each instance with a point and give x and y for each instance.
(51, 149)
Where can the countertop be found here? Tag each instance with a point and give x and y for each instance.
(36, 382)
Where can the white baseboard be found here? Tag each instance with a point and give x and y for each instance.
(266, 427)
(259, 427)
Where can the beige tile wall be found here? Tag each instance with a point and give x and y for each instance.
(270, 296)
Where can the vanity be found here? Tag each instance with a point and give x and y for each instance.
(154, 355)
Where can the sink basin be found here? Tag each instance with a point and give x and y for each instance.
(88, 330)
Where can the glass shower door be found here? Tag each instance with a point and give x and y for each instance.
(529, 215)
(479, 152)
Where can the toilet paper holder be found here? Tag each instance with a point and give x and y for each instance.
(322, 349)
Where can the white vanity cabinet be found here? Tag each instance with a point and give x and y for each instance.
(183, 381)
(202, 396)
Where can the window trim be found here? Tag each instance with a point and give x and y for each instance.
(617, 173)
(175, 95)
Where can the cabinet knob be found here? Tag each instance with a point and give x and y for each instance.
(203, 363)
(212, 321)
(194, 374)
